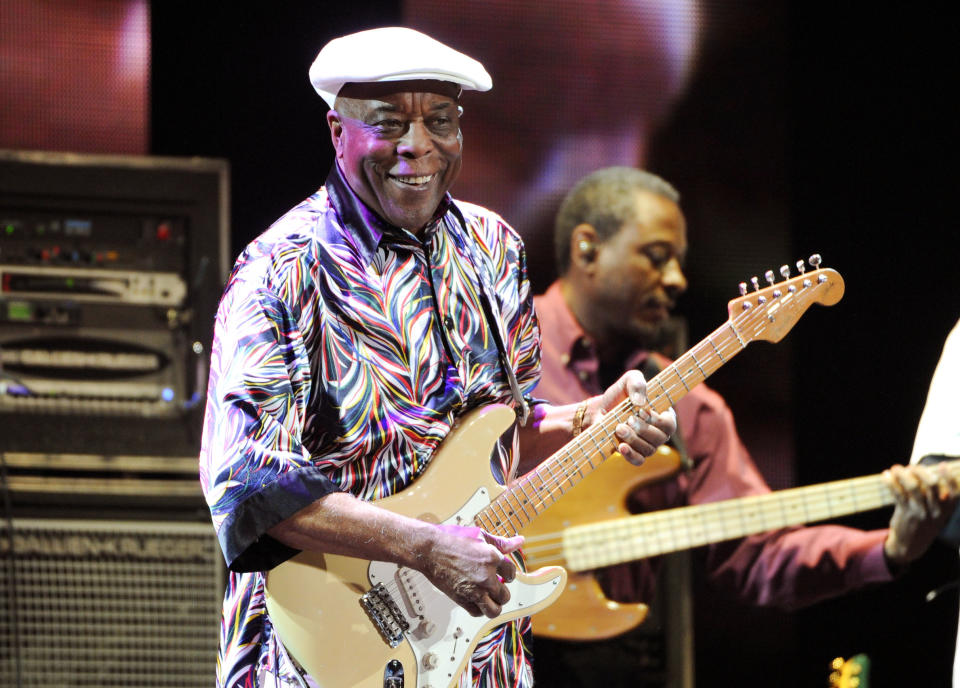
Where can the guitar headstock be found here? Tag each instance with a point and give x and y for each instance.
(850, 673)
(770, 312)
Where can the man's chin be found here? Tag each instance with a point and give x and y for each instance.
(412, 222)
(412, 216)
(645, 334)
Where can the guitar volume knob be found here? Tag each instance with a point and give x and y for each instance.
(429, 661)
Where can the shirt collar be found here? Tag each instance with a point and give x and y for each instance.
(559, 326)
(364, 225)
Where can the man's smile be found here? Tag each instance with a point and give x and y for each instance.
(411, 180)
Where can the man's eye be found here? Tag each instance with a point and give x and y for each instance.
(658, 255)
(389, 124)
(441, 125)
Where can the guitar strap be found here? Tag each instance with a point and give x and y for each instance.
(491, 312)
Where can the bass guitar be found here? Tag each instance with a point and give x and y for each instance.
(583, 613)
(356, 623)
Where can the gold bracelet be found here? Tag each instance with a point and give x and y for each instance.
(578, 418)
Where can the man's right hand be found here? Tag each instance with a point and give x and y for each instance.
(471, 566)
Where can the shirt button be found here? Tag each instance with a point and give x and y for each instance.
(448, 322)
(565, 359)
(583, 375)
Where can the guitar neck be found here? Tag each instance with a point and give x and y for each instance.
(602, 544)
(765, 314)
(541, 487)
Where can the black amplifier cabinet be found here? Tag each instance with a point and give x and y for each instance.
(110, 271)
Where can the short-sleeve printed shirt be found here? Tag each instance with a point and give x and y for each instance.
(344, 349)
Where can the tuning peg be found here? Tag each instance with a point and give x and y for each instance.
(768, 275)
(815, 261)
(743, 289)
(801, 267)
(785, 271)
(756, 283)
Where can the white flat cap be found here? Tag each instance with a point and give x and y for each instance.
(392, 53)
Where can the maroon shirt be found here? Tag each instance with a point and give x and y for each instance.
(785, 568)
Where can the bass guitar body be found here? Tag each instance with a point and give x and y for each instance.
(583, 612)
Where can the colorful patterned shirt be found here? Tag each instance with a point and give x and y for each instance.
(344, 349)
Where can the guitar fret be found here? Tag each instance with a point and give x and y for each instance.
(697, 363)
(885, 493)
(567, 474)
(664, 391)
(483, 520)
(540, 487)
(515, 519)
(502, 517)
(783, 514)
(737, 335)
(710, 339)
(705, 526)
(594, 440)
(526, 499)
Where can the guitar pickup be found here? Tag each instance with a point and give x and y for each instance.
(385, 614)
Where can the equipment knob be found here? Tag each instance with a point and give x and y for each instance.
(430, 661)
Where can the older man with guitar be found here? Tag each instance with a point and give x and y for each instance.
(370, 348)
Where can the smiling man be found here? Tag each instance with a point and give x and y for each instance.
(352, 335)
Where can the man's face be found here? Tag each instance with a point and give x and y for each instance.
(398, 145)
(638, 273)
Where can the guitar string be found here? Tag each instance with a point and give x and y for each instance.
(556, 472)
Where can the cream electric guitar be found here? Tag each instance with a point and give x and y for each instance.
(369, 624)
(583, 613)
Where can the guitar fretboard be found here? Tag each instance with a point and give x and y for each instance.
(596, 545)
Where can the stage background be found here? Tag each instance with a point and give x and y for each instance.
(789, 128)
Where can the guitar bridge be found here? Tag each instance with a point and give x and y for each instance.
(385, 614)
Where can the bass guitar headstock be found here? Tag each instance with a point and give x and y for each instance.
(768, 313)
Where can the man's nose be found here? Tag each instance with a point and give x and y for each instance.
(415, 142)
(672, 276)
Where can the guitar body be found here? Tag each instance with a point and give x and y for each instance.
(582, 611)
(315, 600)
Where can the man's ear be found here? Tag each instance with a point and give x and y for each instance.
(336, 132)
(583, 246)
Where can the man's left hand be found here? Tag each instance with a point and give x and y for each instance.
(640, 436)
(925, 499)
